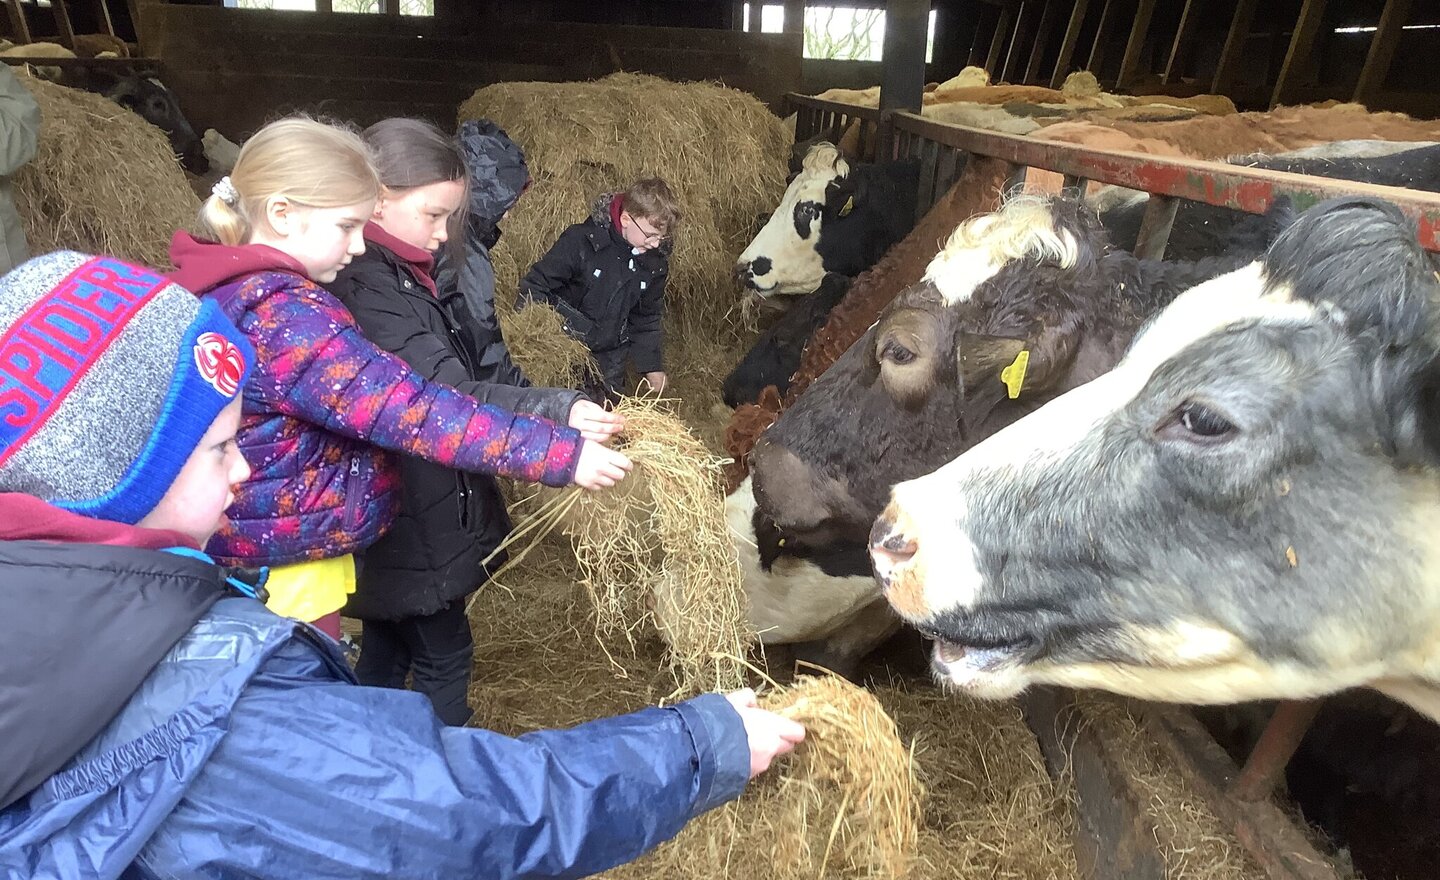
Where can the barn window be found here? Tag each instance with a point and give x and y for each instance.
(407, 7)
(838, 33)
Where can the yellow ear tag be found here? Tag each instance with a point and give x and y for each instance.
(849, 206)
(1014, 375)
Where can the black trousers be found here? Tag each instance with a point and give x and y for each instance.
(437, 650)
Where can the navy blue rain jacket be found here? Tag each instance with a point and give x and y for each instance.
(250, 751)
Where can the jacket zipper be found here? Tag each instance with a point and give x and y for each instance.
(352, 504)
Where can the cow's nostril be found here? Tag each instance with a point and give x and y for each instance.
(889, 549)
(760, 266)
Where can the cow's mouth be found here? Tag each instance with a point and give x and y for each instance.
(961, 662)
(762, 291)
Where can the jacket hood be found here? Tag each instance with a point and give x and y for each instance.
(82, 626)
(498, 173)
(605, 213)
(202, 265)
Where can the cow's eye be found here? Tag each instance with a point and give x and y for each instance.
(896, 353)
(1197, 422)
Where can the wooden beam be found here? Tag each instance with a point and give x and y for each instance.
(997, 42)
(1382, 50)
(1128, 67)
(1022, 27)
(1102, 36)
(1042, 39)
(1184, 38)
(1067, 46)
(390, 7)
(794, 17)
(19, 28)
(977, 42)
(1234, 46)
(324, 6)
(902, 65)
(1302, 45)
(64, 32)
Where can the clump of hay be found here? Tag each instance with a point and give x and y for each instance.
(722, 152)
(542, 350)
(656, 550)
(102, 181)
(853, 765)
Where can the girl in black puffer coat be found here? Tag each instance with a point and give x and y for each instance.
(414, 581)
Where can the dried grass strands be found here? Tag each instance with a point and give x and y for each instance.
(103, 180)
(656, 550)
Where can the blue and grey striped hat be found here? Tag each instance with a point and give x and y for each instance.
(109, 376)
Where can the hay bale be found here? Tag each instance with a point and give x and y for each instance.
(542, 349)
(102, 181)
(722, 152)
(655, 551)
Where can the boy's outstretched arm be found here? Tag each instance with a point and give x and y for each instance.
(350, 782)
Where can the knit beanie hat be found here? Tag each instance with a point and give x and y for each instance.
(109, 377)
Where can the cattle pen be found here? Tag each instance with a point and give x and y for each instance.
(1112, 838)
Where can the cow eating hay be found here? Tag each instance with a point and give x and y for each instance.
(657, 548)
(102, 181)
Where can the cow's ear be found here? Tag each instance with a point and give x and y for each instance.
(981, 359)
(1023, 367)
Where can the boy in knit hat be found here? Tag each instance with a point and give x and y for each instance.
(152, 705)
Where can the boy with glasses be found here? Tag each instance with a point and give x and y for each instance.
(606, 277)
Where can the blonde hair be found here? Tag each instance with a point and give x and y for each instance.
(311, 163)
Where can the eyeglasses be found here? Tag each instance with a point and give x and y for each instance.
(651, 236)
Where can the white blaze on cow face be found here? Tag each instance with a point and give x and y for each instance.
(931, 512)
(780, 260)
(795, 601)
(980, 247)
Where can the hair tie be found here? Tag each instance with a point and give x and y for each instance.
(225, 191)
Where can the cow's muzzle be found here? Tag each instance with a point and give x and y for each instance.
(751, 273)
(891, 551)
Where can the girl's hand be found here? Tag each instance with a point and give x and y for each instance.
(594, 422)
(771, 735)
(600, 467)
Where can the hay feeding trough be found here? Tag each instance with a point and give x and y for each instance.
(102, 181)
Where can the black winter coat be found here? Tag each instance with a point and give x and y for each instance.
(449, 520)
(611, 298)
(82, 625)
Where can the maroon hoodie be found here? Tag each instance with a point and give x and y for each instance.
(203, 265)
(27, 518)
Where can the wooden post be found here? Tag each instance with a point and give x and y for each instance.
(1382, 50)
(19, 28)
(978, 44)
(902, 62)
(1023, 22)
(1302, 44)
(390, 7)
(1184, 36)
(1133, 47)
(1042, 39)
(324, 6)
(1067, 47)
(64, 33)
(956, 31)
(997, 42)
(1234, 46)
(1102, 36)
(794, 16)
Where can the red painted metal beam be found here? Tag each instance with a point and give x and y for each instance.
(1232, 186)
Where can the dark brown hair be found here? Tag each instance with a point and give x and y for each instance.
(412, 152)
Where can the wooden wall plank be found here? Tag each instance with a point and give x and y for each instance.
(998, 41)
(1302, 44)
(1108, 14)
(1382, 50)
(1048, 17)
(1067, 46)
(1130, 66)
(1184, 38)
(1234, 48)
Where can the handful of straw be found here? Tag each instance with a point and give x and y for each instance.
(852, 749)
(655, 550)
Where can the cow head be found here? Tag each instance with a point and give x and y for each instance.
(1030, 294)
(157, 105)
(786, 255)
(1246, 507)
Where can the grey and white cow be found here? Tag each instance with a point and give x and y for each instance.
(1247, 506)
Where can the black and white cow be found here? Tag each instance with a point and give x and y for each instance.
(1034, 282)
(834, 217)
(1246, 507)
(775, 356)
(1201, 229)
(156, 104)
